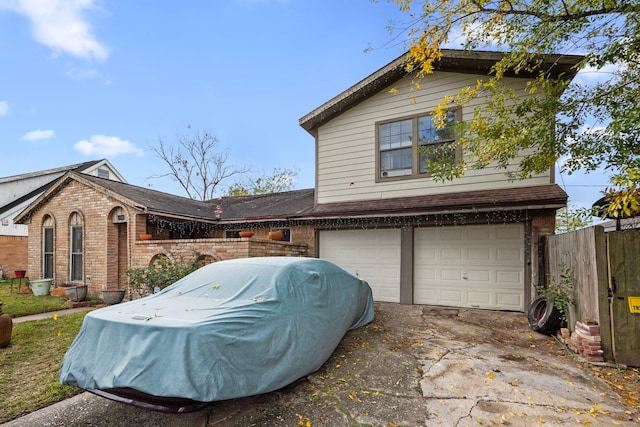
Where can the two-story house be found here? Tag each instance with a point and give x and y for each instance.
(470, 242)
(375, 209)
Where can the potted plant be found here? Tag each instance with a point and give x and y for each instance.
(275, 235)
(41, 287)
(112, 296)
(6, 325)
(145, 236)
(246, 233)
(75, 293)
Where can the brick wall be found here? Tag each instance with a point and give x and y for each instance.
(99, 248)
(217, 249)
(109, 248)
(14, 254)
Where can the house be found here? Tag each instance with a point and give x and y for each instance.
(87, 230)
(18, 191)
(470, 242)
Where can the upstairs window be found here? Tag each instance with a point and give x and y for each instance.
(406, 146)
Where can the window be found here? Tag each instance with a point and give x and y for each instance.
(76, 248)
(232, 234)
(406, 146)
(47, 248)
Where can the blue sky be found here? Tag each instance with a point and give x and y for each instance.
(91, 79)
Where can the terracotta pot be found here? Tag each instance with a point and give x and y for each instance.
(6, 325)
(145, 236)
(20, 273)
(113, 297)
(275, 235)
(246, 233)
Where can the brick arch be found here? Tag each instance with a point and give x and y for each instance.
(49, 220)
(72, 220)
(205, 259)
(157, 257)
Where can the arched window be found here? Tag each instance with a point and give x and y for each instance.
(75, 221)
(47, 247)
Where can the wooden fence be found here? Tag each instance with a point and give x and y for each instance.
(607, 277)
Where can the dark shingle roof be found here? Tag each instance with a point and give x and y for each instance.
(538, 197)
(242, 208)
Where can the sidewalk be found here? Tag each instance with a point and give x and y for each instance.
(42, 316)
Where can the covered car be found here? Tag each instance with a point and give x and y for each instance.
(230, 329)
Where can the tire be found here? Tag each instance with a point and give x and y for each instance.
(543, 317)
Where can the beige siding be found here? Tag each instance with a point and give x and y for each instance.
(346, 146)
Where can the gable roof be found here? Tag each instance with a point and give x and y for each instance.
(55, 173)
(225, 209)
(462, 61)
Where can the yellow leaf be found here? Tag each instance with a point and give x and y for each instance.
(491, 375)
(55, 316)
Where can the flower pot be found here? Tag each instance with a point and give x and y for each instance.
(275, 235)
(145, 236)
(246, 233)
(6, 325)
(76, 293)
(41, 287)
(20, 273)
(113, 296)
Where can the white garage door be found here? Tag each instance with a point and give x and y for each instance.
(480, 266)
(373, 255)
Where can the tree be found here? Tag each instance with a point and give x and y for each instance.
(596, 125)
(279, 180)
(572, 218)
(196, 165)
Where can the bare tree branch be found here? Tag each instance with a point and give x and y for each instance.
(195, 164)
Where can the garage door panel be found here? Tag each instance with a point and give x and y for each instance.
(478, 254)
(470, 266)
(482, 298)
(373, 255)
(513, 278)
(483, 276)
(509, 254)
(509, 299)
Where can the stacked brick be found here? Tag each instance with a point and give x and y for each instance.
(584, 341)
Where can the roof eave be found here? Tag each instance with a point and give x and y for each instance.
(452, 60)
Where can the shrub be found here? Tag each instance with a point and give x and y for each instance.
(560, 294)
(161, 273)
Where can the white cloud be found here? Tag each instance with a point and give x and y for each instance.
(107, 146)
(83, 74)
(4, 108)
(60, 25)
(37, 135)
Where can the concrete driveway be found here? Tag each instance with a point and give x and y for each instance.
(413, 366)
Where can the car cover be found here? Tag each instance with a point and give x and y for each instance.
(230, 329)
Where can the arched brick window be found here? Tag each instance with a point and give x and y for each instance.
(76, 240)
(48, 246)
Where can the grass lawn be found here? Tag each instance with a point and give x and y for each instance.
(22, 304)
(30, 364)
